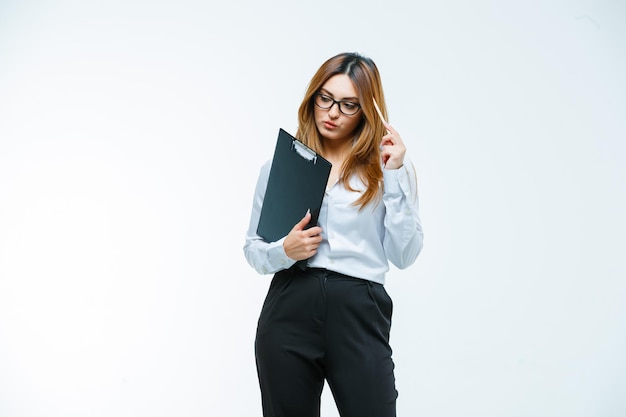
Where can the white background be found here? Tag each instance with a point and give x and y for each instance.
(131, 134)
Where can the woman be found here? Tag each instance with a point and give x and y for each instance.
(330, 319)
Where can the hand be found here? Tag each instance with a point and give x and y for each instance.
(300, 243)
(392, 149)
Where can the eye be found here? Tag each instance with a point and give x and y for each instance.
(348, 105)
(325, 99)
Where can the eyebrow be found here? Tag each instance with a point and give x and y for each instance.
(325, 91)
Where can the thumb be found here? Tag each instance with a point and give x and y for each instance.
(304, 222)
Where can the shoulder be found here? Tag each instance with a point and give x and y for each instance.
(265, 168)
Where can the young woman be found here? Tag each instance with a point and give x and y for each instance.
(330, 319)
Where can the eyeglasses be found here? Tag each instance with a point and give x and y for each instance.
(325, 102)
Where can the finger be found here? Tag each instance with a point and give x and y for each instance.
(387, 140)
(315, 231)
(383, 156)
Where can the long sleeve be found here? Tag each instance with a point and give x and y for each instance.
(404, 237)
(264, 257)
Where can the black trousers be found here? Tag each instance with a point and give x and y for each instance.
(318, 325)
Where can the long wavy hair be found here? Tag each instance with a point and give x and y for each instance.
(364, 159)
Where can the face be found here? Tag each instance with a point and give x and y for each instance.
(332, 123)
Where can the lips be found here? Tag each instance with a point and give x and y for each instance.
(330, 125)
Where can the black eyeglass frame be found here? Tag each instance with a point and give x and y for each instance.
(337, 102)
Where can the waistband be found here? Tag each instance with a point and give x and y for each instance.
(328, 273)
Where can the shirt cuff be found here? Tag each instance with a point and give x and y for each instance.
(396, 181)
(277, 257)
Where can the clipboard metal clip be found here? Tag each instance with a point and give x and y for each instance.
(304, 151)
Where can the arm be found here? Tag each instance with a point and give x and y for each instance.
(264, 257)
(269, 257)
(404, 237)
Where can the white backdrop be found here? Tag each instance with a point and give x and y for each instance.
(131, 134)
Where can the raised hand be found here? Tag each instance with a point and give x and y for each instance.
(392, 149)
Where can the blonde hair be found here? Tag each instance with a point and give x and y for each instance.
(364, 160)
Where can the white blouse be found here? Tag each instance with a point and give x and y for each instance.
(355, 243)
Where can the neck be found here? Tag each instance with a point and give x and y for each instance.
(335, 153)
(334, 150)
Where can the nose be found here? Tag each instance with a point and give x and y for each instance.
(333, 111)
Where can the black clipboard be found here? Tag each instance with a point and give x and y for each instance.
(297, 181)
